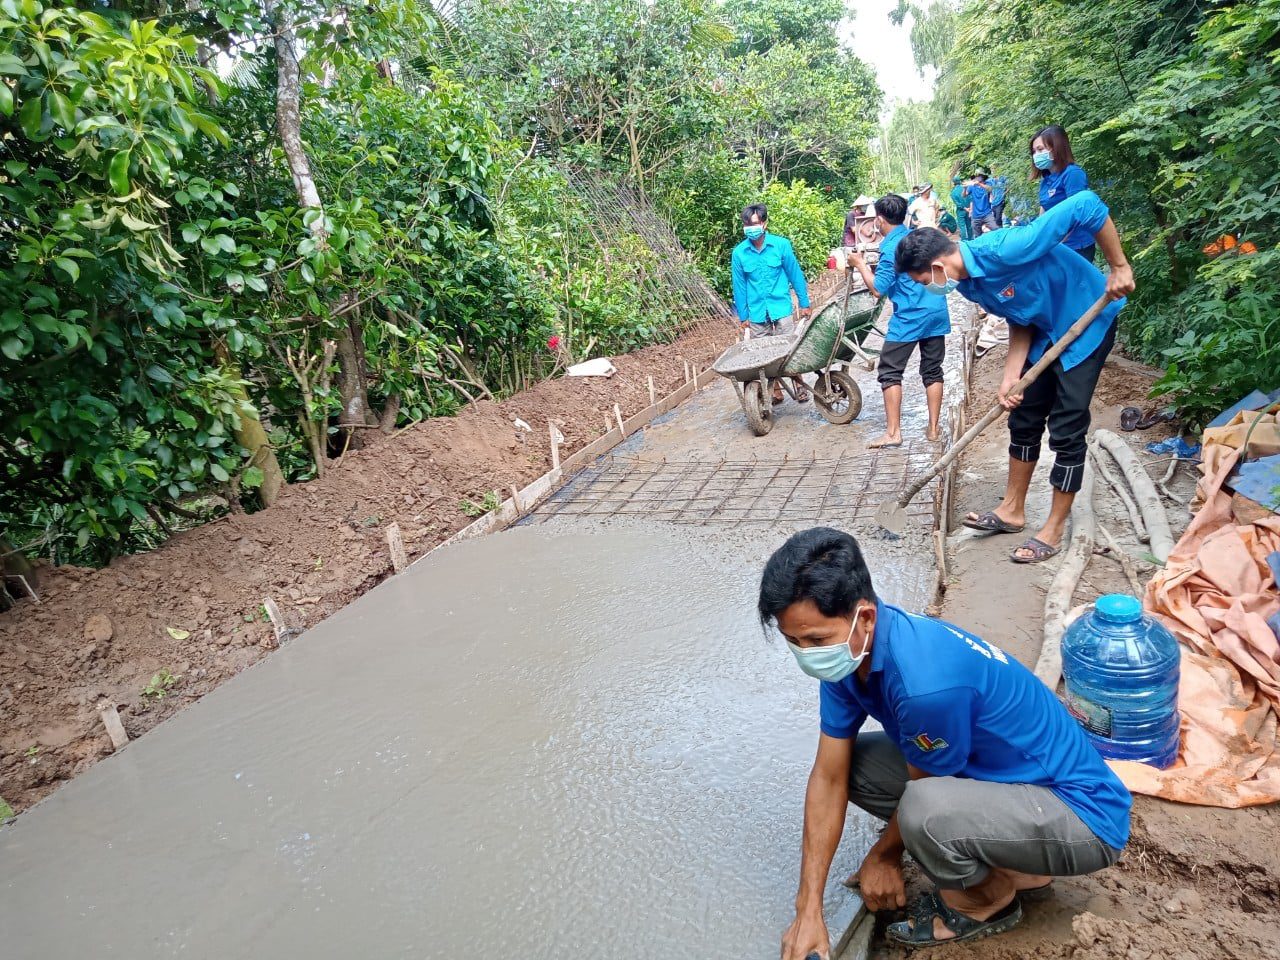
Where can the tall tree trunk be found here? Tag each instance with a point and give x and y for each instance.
(251, 434)
(350, 339)
(289, 112)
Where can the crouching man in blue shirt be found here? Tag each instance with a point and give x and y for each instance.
(981, 774)
(1028, 277)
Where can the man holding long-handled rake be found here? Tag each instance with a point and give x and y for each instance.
(1028, 277)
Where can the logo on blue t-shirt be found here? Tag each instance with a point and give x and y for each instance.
(1007, 293)
(927, 744)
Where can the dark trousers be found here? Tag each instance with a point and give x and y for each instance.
(998, 210)
(1060, 399)
(1087, 252)
(895, 354)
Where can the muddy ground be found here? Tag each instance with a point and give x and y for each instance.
(1195, 882)
(193, 607)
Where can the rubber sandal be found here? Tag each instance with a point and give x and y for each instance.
(989, 523)
(1040, 551)
(778, 400)
(918, 930)
(1129, 418)
(1149, 420)
(803, 396)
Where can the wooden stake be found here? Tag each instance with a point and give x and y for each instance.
(617, 412)
(395, 542)
(515, 498)
(111, 720)
(653, 393)
(686, 369)
(555, 445)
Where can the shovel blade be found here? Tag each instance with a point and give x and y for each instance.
(892, 517)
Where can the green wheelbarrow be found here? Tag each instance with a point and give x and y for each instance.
(830, 341)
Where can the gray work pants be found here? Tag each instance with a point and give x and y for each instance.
(958, 829)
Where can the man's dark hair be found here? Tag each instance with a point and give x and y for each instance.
(920, 248)
(753, 210)
(1055, 138)
(819, 564)
(893, 208)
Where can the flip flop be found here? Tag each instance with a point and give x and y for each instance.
(1040, 551)
(1129, 418)
(803, 395)
(1149, 420)
(778, 399)
(989, 523)
(918, 930)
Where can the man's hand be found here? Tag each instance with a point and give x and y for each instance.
(806, 935)
(1008, 400)
(806, 313)
(1120, 282)
(879, 881)
(856, 260)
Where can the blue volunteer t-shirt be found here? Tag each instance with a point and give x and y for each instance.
(1030, 278)
(981, 201)
(763, 280)
(917, 313)
(958, 706)
(1056, 187)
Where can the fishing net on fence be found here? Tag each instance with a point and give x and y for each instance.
(673, 285)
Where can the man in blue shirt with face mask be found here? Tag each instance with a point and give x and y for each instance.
(765, 271)
(1041, 287)
(980, 772)
(920, 320)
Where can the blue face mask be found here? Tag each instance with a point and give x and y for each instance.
(832, 663)
(753, 232)
(944, 288)
(1043, 159)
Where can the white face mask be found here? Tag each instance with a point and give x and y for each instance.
(946, 286)
(831, 663)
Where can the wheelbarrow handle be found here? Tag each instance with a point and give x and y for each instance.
(992, 415)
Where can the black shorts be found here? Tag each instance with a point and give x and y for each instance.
(895, 354)
(1060, 399)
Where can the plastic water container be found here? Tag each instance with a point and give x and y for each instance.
(1121, 670)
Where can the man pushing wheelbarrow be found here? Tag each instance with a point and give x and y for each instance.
(765, 270)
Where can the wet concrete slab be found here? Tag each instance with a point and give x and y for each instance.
(569, 737)
(536, 743)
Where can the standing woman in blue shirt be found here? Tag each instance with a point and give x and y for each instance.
(1060, 177)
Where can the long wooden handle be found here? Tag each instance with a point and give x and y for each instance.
(992, 415)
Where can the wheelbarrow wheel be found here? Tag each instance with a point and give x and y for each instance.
(759, 409)
(843, 403)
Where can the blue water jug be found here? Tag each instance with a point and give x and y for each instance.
(1121, 671)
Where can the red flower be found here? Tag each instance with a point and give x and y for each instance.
(553, 343)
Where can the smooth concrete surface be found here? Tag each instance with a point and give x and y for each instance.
(536, 744)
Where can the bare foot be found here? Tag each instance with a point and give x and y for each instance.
(887, 440)
(933, 434)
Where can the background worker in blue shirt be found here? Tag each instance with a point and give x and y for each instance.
(980, 212)
(983, 776)
(960, 197)
(999, 191)
(1060, 177)
(1041, 287)
(765, 271)
(919, 319)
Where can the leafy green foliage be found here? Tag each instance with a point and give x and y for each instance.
(1172, 110)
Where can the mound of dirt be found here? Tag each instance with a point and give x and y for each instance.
(153, 632)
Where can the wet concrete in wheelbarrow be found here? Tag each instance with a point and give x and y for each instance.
(570, 737)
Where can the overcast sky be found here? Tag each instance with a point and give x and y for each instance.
(888, 50)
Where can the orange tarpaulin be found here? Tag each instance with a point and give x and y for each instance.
(1215, 594)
